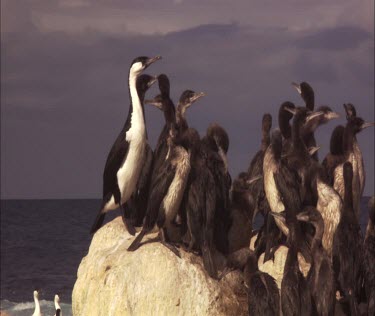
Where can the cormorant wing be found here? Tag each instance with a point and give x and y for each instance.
(115, 158)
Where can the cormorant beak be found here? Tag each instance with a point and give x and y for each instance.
(312, 150)
(252, 180)
(367, 124)
(291, 110)
(280, 216)
(152, 60)
(155, 103)
(314, 115)
(297, 86)
(332, 115)
(152, 81)
(302, 217)
(197, 96)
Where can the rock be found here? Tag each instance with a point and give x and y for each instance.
(276, 268)
(149, 281)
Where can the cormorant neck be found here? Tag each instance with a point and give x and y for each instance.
(136, 106)
(37, 306)
(284, 126)
(310, 102)
(348, 195)
(180, 117)
(296, 135)
(265, 139)
(319, 230)
(348, 138)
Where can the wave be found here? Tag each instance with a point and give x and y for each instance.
(27, 308)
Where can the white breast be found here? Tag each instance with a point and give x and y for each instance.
(272, 194)
(173, 199)
(329, 205)
(339, 185)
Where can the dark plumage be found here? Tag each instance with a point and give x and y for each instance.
(335, 155)
(284, 124)
(307, 94)
(307, 132)
(352, 154)
(256, 169)
(262, 293)
(347, 247)
(320, 278)
(216, 144)
(200, 205)
(121, 175)
(169, 177)
(369, 259)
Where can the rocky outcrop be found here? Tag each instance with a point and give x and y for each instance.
(149, 281)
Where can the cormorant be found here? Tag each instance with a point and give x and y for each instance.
(320, 278)
(126, 158)
(369, 259)
(307, 94)
(169, 178)
(347, 247)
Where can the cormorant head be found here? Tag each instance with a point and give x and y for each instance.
(287, 110)
(336, 143)
(312, 215)
(157, 102)
(144, 82)
(350, 111)
(164, 85)
(250, 268)
(313, 149)
(57, 298)
(358, 124)
(141, 63)
(219, 135)
(321, 116)
(188, 97)
(306, 92)
(328, 114)
(267, 122)
(36, 294)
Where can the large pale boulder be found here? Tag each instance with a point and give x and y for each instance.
(149, 281)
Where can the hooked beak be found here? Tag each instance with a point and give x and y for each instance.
(332, 115)
(152, 81)
(297, 86)
(197, 96)
(314, 115)
(367, 124)
(313, 150)
(291, 110)
(302, 217)
(155, 103)
(152, 60)
(252, 180)
(280, 216)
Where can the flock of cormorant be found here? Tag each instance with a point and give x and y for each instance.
(310, 209)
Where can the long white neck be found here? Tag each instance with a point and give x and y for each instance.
(37, 306)
(137, 119)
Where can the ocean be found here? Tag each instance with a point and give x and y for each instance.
(42, 244)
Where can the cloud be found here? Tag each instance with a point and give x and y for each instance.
(338, 38)
(65, 97)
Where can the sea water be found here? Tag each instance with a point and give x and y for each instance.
(42, 244)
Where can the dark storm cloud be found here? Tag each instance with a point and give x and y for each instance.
(344, 37)
(64, 93)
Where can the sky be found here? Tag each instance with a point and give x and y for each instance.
(64, 67)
